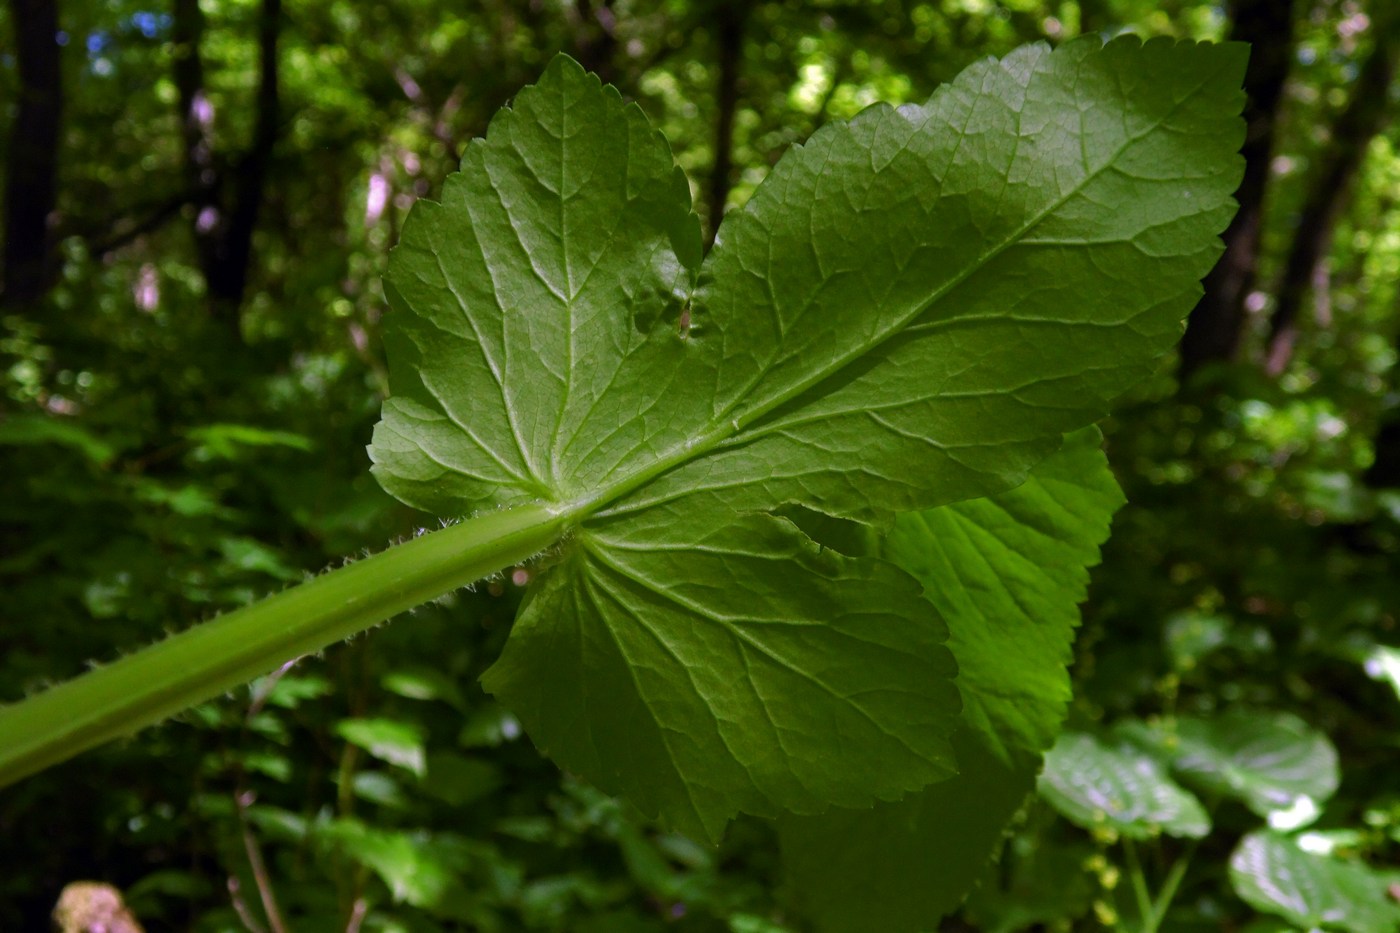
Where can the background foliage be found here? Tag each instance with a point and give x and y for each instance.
(199, 201)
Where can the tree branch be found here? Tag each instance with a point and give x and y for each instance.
(1356, 126)
(596, 40)
(196, 127)
(226, 208)
(729, 17)
(1216, 325)
(250, 179)
(155, 217)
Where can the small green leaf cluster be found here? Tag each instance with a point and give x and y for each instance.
(1270, 762)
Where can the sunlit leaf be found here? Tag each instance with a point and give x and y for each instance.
(398, 743)
(1382, 662)
(1273, 874)
(228, 441)
(34, 429)
(380, 788)
(1097, 786)
(1273, 762)
(425, 683)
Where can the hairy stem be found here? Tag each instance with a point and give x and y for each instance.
(209, 659)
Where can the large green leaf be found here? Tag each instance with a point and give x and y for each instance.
(742, 667)
(911, 310)
(1273, 874)
(426, 870)
(1007, 573)
(1121, 788)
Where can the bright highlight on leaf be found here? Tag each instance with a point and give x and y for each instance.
(1121, 788)
(1273, 874)
(913, 309)
(1273, 762)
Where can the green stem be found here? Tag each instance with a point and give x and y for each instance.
(209, 659)
(1139, 882)
(1169, 886)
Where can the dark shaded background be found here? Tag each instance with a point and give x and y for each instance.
(199, 198)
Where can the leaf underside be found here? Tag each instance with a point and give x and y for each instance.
(911, 310)
(1007, 573)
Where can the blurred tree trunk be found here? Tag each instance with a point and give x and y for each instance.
(1338, 163)
(728, 24)
(31, 182)
(595, 41)
(197, 124)
(250, 179)
(227, 196)
(1216, 324)
(1384, 472)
